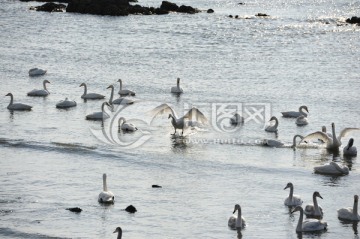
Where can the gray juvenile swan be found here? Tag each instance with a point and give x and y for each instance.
(43, 92)
(119, 231)
(90, 96)
(177, 89)
(124, 92)
(99, 115)
(63, 104)
(16, 106)
(279, 144)
(236, 221)
(295, 114)
(308, 225)
(36, 72)
(292, 200)
(120, 100)
(314, 210)
(273, 128)
(350, 214)
(332, 168)
(350, 150)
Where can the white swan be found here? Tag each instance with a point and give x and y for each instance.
(301, 120)
(350, 150)
(63, 104)
(106, 196)
(323, 129)
(119, 231)
(314, 210)
(90, 96)
(236, 221)
(237, 119)
(177, 89)
(123, 125)
(332, 169)
(17, 106)
(295, 114)
(99, 115)
(331, 143)
(120, 100)
(36, 72)
(350, 214)
(272, 128)
(124, 92)
(292, 200)
(43, 92)
(279, 144)
(180, 123)
(308, 225)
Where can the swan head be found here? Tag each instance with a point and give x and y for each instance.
(237, 207)
(289, 185)
(82, 84)
(304, 107)
(356, 198)
(119, 80)
(118, 229)
(351, 142)
(273, 118)
(323, 129)
(333, 125)
(169, 116)
(317, 194)
(297, 209)
(9, 94)
(46, 81)
(110, 87)
(178, 80)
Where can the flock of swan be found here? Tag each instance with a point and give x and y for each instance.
(313, 212)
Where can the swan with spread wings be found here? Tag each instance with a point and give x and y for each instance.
(182, 122)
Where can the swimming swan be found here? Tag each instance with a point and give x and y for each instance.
(123, 125)
(120, 100)
(272, 128)
(63, 104)
(177, 89)
(17, 106)
(314, 210)
(119, 231)
(180, 123)
(295, 114)
(332, 169)
(350, 214)
(350, 150)
(90, 96)
(292, 200)
(301, 120)
(99, 115)
(278, 144)
(331, 143)
(236, 221)
(308, 225)
(124, 92)
(237, 119)
(36, 72)
(106, 196)
(43, 92)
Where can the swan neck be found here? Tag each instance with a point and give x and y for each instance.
(44, 84)
(276, 123)
(120, 84)
(112, 94)
(178, 82)
(299, 225)
(291, 193)
(316, 206)
(119, 235)
(355, 208)
(104, 183)
(85, 89)
(239, 219)
(11, 99)
(333, 133)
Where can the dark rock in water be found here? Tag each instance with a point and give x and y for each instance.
(131, 209)
(230, 16)
(58, 1)
(156, 186)
(262, 15)
(159, 11)
(210, 11)
(74, 209)
(187, 9)
(241, 3)
(353, 20)
(169, 6)
(50, 7)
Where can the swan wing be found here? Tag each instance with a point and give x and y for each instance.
(163, 109)
(315, 136)
(346, 131)
(199, 116)
(313, 225)
(232, 221)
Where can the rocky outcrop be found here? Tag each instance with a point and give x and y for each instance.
(50, 7)
(353, 20)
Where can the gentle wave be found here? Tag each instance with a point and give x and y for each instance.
(7, 232)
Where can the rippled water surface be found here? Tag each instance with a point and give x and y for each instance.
(303, 54)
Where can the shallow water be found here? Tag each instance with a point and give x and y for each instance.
(303, 54)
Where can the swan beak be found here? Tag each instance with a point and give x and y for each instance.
(286, 187)
(320, 196)
(115, 231)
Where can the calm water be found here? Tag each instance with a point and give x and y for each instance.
(303, 54)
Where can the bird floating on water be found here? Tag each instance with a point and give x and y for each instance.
(63, 104)
(90, 96)
(236, 221)
(308, 225)
(124, 92)
(16, 106)
(43, 92)
(273, 128)
(177, 89)
(301, 120)
(332, 168)
(349, 149)
(106, 196)
(123, 125)
(295, 114)
(314, 210)
(350, 214)
(36, 72)
(292, 200)
(99, 115)
(120, 100)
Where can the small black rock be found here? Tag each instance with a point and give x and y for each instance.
(74, 209)
(210, 10)
(131, 209)
(156, 186)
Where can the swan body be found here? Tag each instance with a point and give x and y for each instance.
(17, 106)
(295, 114)
(332, 169)
(90, 96)
(180, 123)
(350, 150)
(119, 231)
(65, 104)
(308, 225)
(350, 214)
(278, 144)
(43, 92)
(292, 200)
(177, 89)
(36, 72)
(301, 120)
(314, 210)
(123, 125)
(237, 119)
(106, 196)
(120, 100)
(99, 115)
(236, 221)
(272, 128)
(331, 143)
(123, 92)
